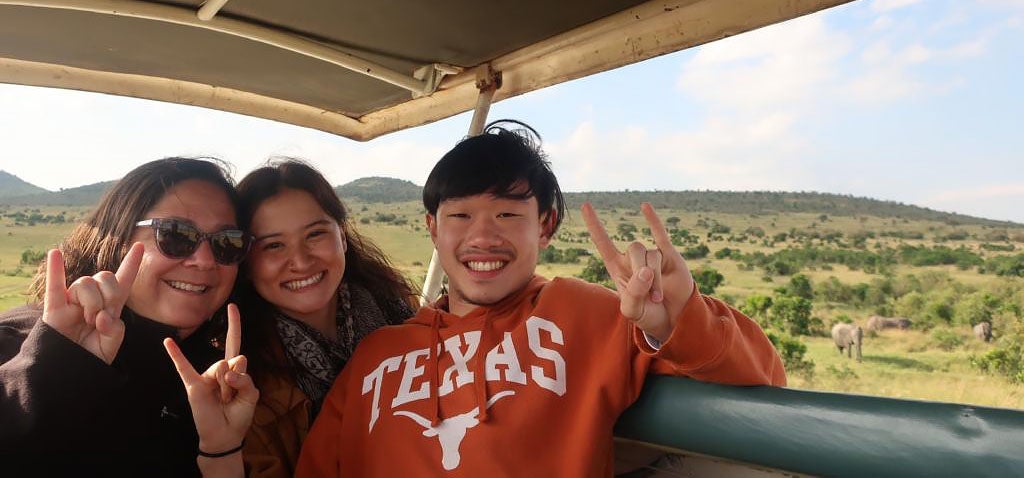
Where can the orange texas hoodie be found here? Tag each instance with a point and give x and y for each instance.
(530, 386)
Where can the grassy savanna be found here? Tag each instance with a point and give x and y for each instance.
(923, 363)
(20, 233)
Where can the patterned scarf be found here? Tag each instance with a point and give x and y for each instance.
(318, 359)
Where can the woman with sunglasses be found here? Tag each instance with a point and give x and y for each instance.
(311, 288)
(86, 387)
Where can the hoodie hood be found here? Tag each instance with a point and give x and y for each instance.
(437, 317)
(525, 296)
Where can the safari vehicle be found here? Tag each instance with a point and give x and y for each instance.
(365, 69)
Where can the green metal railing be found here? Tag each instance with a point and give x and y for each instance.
(828, 434)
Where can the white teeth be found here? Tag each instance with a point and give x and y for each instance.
(298, 284)
(481, 266)
(185, 286)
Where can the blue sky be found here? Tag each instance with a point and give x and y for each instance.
(916, 101)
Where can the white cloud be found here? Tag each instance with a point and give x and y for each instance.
(778, 66)
(883, 22)
(889, 74)
(762, 154)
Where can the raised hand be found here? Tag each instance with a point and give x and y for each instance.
(223, 399)
(89, 311)
(653, 284)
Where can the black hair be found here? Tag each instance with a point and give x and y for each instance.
(500, 161)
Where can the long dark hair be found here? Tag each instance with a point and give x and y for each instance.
(365, 263)
(102, 240)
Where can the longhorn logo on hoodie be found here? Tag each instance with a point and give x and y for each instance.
(452, 430)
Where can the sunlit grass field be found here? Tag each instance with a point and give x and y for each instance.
(902, 364)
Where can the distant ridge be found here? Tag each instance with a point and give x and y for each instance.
(11, 185)
(768, 202)
(81, 196)
(388, 190)
(380, 189)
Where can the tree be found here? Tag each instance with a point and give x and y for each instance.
(707, 279)
(32, 257)
(791, 314)
(792, 351)
(976, 308)
(596, 273)
(757, 306)
(626, 231)
(800, 286)
(672, 222)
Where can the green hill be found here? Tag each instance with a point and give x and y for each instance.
(390, 190)
(11, 185)
(379, 189)
(769, 202)
(80, 196)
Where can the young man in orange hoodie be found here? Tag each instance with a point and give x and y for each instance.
(511, 374)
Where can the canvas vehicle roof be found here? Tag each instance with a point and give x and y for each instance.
(307, 62)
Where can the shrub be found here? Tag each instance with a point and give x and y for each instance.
(975, 308)
(947, 339)
(698, 252)
(724, 253)
(32, 257)
(1007, 359)
(792, 314)
(843, 373)
(1005, 265)
(800, 286)
(554, 255)
(793, 353)
(757, 306)
(707, 279)
(595, 272)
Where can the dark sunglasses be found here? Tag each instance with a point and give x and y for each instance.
(178, 239)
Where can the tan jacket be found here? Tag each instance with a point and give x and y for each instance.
(279, 426)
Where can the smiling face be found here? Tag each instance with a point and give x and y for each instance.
(488, 246)
(183, 293)
(298, 260)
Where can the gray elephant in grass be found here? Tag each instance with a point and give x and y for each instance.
(983, 331)
(848, 336)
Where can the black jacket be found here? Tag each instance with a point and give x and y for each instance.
(63, 412)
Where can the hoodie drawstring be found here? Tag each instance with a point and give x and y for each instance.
(435, 386)
(481, 392)
(480, 369)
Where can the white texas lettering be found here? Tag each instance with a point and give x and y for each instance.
(505, 354)
(452, 430)
(533, 327)
(460, 360)
(409, 372)
(373, 382)
(501, 363)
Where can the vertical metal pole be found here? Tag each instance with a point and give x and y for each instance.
(487, 83)
(210, 9)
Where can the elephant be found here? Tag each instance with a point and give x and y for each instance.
(877, 323)
(848, 336)
(983, 331)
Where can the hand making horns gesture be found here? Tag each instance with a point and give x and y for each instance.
(653, 284)
(89, 311)
(223, 399)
